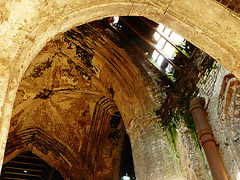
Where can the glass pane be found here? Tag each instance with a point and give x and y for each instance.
(156, 36)
(155, 55)
(161, 43)
(167, 32)
(160, 60)
(115, 19)
(169, 50)
(160, 27)
(176, 38)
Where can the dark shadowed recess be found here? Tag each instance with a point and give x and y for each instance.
(29, 166)
(127, 166)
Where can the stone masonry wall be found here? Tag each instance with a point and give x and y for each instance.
(26, 26)
(221, 91)
(223, 114)
(206, 78)
(153, 154)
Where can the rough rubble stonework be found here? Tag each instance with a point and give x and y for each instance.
(27, 26)
(223, 110)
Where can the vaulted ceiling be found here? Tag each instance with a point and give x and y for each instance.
(65, 114)
(69, 105)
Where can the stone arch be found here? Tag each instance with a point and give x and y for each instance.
(65, 53)
(44, 146)
(26, 164)
(72, 15)
(194, 24)
(64, 16)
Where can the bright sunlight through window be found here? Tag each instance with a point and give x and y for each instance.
(162, 44)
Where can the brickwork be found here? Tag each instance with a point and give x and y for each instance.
(221, 91)
(198, 77)
(26, 27)
(226, 126)
(154, 156)
(207, 83)
(194, 155)
(207, 78)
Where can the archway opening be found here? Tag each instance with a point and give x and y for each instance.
(65, 106)
(75, 87)
(29, 166)
(127, 164)
(46, 93)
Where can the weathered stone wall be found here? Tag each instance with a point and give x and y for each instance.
(26, 26)
(177, 120)
(223, 113)
(154, 155)
(64, 110)
(207, 78)
(220, 89)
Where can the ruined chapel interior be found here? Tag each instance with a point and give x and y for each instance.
(94, 90)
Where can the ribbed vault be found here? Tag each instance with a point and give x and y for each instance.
(65, 109)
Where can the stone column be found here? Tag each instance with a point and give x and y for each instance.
(153, 155)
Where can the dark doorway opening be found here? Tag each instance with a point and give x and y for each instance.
(127, 165)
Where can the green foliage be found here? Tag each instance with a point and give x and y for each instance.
(172, 76)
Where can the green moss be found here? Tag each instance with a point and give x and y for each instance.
(177, 112)
(178, 115)
(172, 134)
(183, 114)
